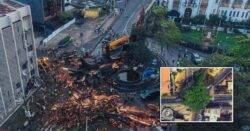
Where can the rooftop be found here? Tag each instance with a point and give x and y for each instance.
(9, 6)
(87, 3)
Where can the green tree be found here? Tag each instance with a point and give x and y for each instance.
(243, 50)
(173, 13)
(198, 20)
(197, 96)
(184, 62)
(214, 20)
(65, 16)
(167, 33)
(152, 20)
(242, 97)
(157, 25)
(218, 60)
(140, 52)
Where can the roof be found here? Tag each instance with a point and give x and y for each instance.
(9, 6)
(87, 3)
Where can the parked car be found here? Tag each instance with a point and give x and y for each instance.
(196, 58)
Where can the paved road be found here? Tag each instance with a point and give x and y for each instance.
(176, 100)
(124, 21)
(171, 53)
(222, 76)
(222, 98)
(130, 14)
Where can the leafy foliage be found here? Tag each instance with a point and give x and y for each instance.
(168, 32)
(140, 52)
(152, 20)
(65, 16)
(218, 60)
(242, 97)
(173, 13)
(158, 26)
(192, 36)
(197, 97)
(186, 63)
(198, 20)
(244, 47)
(214, 20)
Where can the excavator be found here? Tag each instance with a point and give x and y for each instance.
(111, 47)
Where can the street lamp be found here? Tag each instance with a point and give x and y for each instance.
(218, 45)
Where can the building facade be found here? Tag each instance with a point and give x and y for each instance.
(43, 10)
(235, 10)
(18, 62)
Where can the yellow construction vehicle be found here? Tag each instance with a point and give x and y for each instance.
(118, 42)
(115, 44)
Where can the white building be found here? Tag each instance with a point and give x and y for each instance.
(67, 1)
(235, 10)
(18, 62)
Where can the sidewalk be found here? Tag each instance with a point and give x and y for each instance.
(87, 29)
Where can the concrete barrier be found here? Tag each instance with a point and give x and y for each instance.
(57, 31)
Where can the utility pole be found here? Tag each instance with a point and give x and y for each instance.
(114, 3)
(86, 124)
(217, 30)
(82, 50)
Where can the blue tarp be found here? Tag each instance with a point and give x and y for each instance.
(148, 72)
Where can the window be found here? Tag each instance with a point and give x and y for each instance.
(234, 13)
(214, 10)
(238, 14)
(222, 12)
(31, 60)
(242, 15)
(24, 66)
(18, 85)
(30, 48)
(225, 13)
(246, 15)
(25, 35)
(32, 72)
(230, 14)
(8, 93)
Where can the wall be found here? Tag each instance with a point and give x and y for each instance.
(51, 36)
(214, 7)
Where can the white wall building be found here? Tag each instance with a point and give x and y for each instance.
(18, 62)
(235, 10)
(67, 1)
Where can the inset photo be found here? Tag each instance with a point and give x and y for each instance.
(196, 94)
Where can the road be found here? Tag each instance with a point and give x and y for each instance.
(176, 100)
(123, 22)
(223, 98)
(222, 76)
(130, 15)
(172, 53)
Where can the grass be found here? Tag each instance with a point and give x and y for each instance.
(227, 41)
(192, 36)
